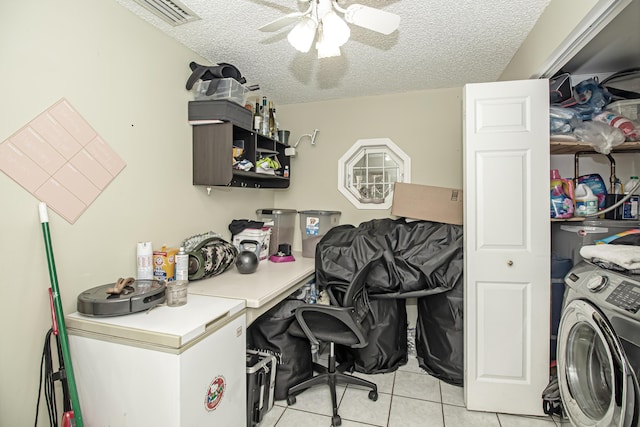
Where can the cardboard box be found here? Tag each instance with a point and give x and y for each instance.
(437, 204)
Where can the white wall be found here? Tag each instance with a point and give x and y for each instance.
(127, 79)
(426, 125)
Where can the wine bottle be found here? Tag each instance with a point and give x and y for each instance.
(272, 120)
(257, 118)
(265, 117)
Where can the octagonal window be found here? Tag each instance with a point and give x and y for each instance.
(368, 171)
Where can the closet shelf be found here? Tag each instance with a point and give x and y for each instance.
(572, 147)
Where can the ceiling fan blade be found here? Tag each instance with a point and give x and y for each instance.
(373, 19)
(281, 22)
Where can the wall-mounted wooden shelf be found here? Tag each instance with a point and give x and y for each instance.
(213, 161)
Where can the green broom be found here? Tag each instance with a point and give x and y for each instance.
(62, 330)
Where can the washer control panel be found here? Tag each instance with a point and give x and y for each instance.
(597, 283)
(626, 295)
(606, 288)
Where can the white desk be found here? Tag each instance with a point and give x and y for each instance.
(271, 283)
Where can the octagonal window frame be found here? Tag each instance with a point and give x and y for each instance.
(368, 171)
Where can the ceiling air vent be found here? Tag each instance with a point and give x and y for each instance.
(171, 11)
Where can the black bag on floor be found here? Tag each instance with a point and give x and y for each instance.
(439, 335)
(387, 348)
(551, 400)
(269, 334)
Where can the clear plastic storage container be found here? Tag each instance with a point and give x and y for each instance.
(282, 223)
(227, 88)
(629, 108)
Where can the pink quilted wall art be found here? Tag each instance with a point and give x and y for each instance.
(60, 159)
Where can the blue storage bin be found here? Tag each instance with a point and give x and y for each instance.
(559, 268)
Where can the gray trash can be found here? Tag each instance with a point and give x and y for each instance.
(313, 226)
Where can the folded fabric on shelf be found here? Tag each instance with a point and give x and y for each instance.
(624, 256)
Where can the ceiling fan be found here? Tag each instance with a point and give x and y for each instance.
(321, 22)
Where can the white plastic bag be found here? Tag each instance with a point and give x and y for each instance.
(600, 135)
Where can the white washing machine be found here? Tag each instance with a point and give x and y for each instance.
(599, 347)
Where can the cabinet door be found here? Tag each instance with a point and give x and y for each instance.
(507, 265)
(212, 154)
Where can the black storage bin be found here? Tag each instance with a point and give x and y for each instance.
(269, 334)
(220, 109)
(261, 377)
(387, 347)
(439, 335)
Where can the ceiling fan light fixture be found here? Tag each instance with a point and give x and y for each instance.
(302, 35)
(325, 47)
(373, 19)
(326, 50)
(334, 30)
(322, 22)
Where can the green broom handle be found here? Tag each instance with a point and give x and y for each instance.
(62, 330)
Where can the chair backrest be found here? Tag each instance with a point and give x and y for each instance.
(358, 283)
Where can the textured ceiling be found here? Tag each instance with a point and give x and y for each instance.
(439, 44)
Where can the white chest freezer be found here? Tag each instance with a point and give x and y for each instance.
(169, 367)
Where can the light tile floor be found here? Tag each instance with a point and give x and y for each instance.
(406, 398)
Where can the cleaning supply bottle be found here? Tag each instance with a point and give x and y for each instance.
(630, 185)
(561, 196)
(182, 265)
(586, 201)
(144, 259)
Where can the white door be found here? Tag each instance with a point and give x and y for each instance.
(506, 249)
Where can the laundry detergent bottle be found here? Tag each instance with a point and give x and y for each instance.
(586, 201)
(561, 196)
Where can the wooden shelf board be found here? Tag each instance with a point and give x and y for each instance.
(572, 147)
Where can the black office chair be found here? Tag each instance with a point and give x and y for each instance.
(346, 325)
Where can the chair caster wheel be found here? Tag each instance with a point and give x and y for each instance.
(373, 395)
(336, 421)
(291, 400)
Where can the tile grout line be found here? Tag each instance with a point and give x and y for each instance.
(441, 404)
(393, 387)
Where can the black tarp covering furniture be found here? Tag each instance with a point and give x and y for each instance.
(387, 347)
(420, 259)
(439, 335)
(270, 334)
